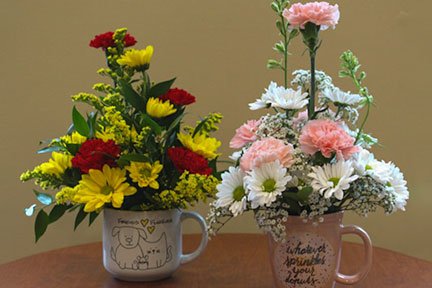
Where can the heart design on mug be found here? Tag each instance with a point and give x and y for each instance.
(144, 222)
(151, 229)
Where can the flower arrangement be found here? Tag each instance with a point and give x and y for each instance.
(130, 153)
(310, 157)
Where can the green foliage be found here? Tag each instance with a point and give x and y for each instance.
(80, 124)
(81, 215)
(57, 212)
(131, 96)
(281, 47)
(161, 88)
(41, 224)
(350, 68)
(120, 115)
(92, 217)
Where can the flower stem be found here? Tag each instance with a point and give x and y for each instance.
(311, 105)
(364, 122)
(284, 32)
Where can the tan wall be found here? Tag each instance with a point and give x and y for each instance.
(218, 50)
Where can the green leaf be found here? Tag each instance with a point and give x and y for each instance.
(73, 148)
(280, 47)
(57, 211)
(290, 196)
(81, 215)
(294, 207)
(134, 158)
(161, 88)
(73, 208)
(92, 217)
(304, 193)
(280, 27)
(175, 123)
(43, 198)
(343, 74)
(275, 7)
(131, 96)
(41, 224)
(157, 129)
(294, 33)
(274, 64)
(80, 124)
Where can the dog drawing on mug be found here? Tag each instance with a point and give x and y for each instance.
(129, 254)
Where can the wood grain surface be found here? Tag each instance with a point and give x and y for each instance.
(230, 260)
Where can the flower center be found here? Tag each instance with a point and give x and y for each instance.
(106, 190)
(368, 167)
(269, 185)
(388, 184)
(145, 172)
(239, 193)
(335, 181)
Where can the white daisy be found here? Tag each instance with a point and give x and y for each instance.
(232, 191)
(333, 179)
(289, 99)
(236, 155)
(380, 171)
(281, 97)
(397, 186)
(339, 97)
(366, 164)
(266, 98)
(362, 162)
(265, 183)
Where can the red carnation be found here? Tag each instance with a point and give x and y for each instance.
(184, 159)
(106, 40)
(178, 97)
(94, 154)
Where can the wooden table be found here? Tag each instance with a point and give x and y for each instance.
(231, 260)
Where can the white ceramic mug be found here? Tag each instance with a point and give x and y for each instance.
(146, 245)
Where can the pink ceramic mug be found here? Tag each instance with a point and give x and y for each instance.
(310, 256)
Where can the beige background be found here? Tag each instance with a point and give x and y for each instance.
(218, 50)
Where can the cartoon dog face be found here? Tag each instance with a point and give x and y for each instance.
(129, 236)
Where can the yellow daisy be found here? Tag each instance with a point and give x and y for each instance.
(57, 165)
(101, 187)
(145, 174)
(157, 108)
(200, 144)
(139, 59)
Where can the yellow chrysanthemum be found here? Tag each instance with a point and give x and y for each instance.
(74, 138)
(145, 174)
(200, 144)
(100, 187)
(58, 163)
(158, 109)
(137, 58)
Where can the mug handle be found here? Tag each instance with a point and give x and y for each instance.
(367, 264)
(186, 258)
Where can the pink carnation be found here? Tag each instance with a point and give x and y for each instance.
(328, 137)
(245, 134)
(320, 13)
(265, 151)
(301, 118)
